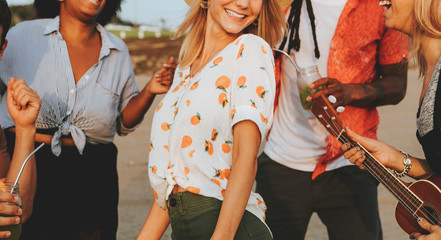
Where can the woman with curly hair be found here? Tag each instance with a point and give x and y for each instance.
(85, 79)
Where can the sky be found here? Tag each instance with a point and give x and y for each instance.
(144, 11)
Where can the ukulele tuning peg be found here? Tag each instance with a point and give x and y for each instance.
(328, 126)
(340, 109)
(320, 116)
(325, 108)
(332, 99)
(332, 118)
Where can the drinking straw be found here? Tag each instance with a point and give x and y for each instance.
(24, 163)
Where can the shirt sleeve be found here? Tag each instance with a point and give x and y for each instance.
(130, 90)
(393, 47)
(253, 87)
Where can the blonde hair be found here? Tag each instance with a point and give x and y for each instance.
(271, 21)
(428, 24)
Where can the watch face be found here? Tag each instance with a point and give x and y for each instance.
(407, 161)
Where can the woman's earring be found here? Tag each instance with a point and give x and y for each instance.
(256, 22)
(205, 4)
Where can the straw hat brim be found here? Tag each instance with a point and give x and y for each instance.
(283, 3)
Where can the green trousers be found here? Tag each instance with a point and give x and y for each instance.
(194, 217)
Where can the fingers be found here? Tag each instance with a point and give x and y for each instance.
(8, 197)
(5, 234)
(427, 226)
(20, 95)
(322, 82)
(6, 221)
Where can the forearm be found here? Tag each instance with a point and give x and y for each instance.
(137, 107)
(246, 142)
(236, 197)
(24, 145)
(389, 88)
(155, 224)
(419, 168)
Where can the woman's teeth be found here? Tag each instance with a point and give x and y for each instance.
(386, 3)
(94, 1)
(234, 14)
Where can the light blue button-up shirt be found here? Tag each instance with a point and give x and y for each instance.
(90, 110)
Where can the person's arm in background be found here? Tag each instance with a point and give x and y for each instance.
(158, 84)
(23, 106)
(388, 88)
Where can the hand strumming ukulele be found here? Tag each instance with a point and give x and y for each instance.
(421, 199)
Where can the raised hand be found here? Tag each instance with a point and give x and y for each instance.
(23, 103)
(163, 78)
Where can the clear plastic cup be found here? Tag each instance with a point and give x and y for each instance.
(14, 229)
(306, 76)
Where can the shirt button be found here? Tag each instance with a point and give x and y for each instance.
(87, 77)
(172, 202)
(72, 91)
(69, 112)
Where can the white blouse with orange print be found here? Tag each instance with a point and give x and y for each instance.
(191, 139)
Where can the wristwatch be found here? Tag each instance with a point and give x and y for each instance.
(407, 165)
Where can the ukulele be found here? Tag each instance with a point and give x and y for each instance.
(421, 199)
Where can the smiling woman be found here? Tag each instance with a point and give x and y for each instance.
(203, 163)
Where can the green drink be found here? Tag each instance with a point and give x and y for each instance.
(305, 77)
(14, 229)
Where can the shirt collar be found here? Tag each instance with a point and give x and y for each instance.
(108, 41)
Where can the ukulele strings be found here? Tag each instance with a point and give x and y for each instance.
(414, 201)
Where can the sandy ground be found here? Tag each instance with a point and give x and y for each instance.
(397, 127)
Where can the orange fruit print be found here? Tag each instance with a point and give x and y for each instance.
(151, 147)
(239, 54)
(208, 147)
(194, 190)
(226, 146)
(196, 119)
(263, 50)
(233, 112)
(194, 86)
(222, 174)
(165, 126)
(214, 134)
(217, 61)
(223, 99)
(190, 154)
(261, 91)
(166, 148)
(186, 141)
(215, 181)
(241, 82)
(222, 83)
(154, 169)
(159, 107)
(264, 119)
(187, 171)
(176, 89)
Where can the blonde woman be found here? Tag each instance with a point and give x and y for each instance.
(208, 128)
(421, 20)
